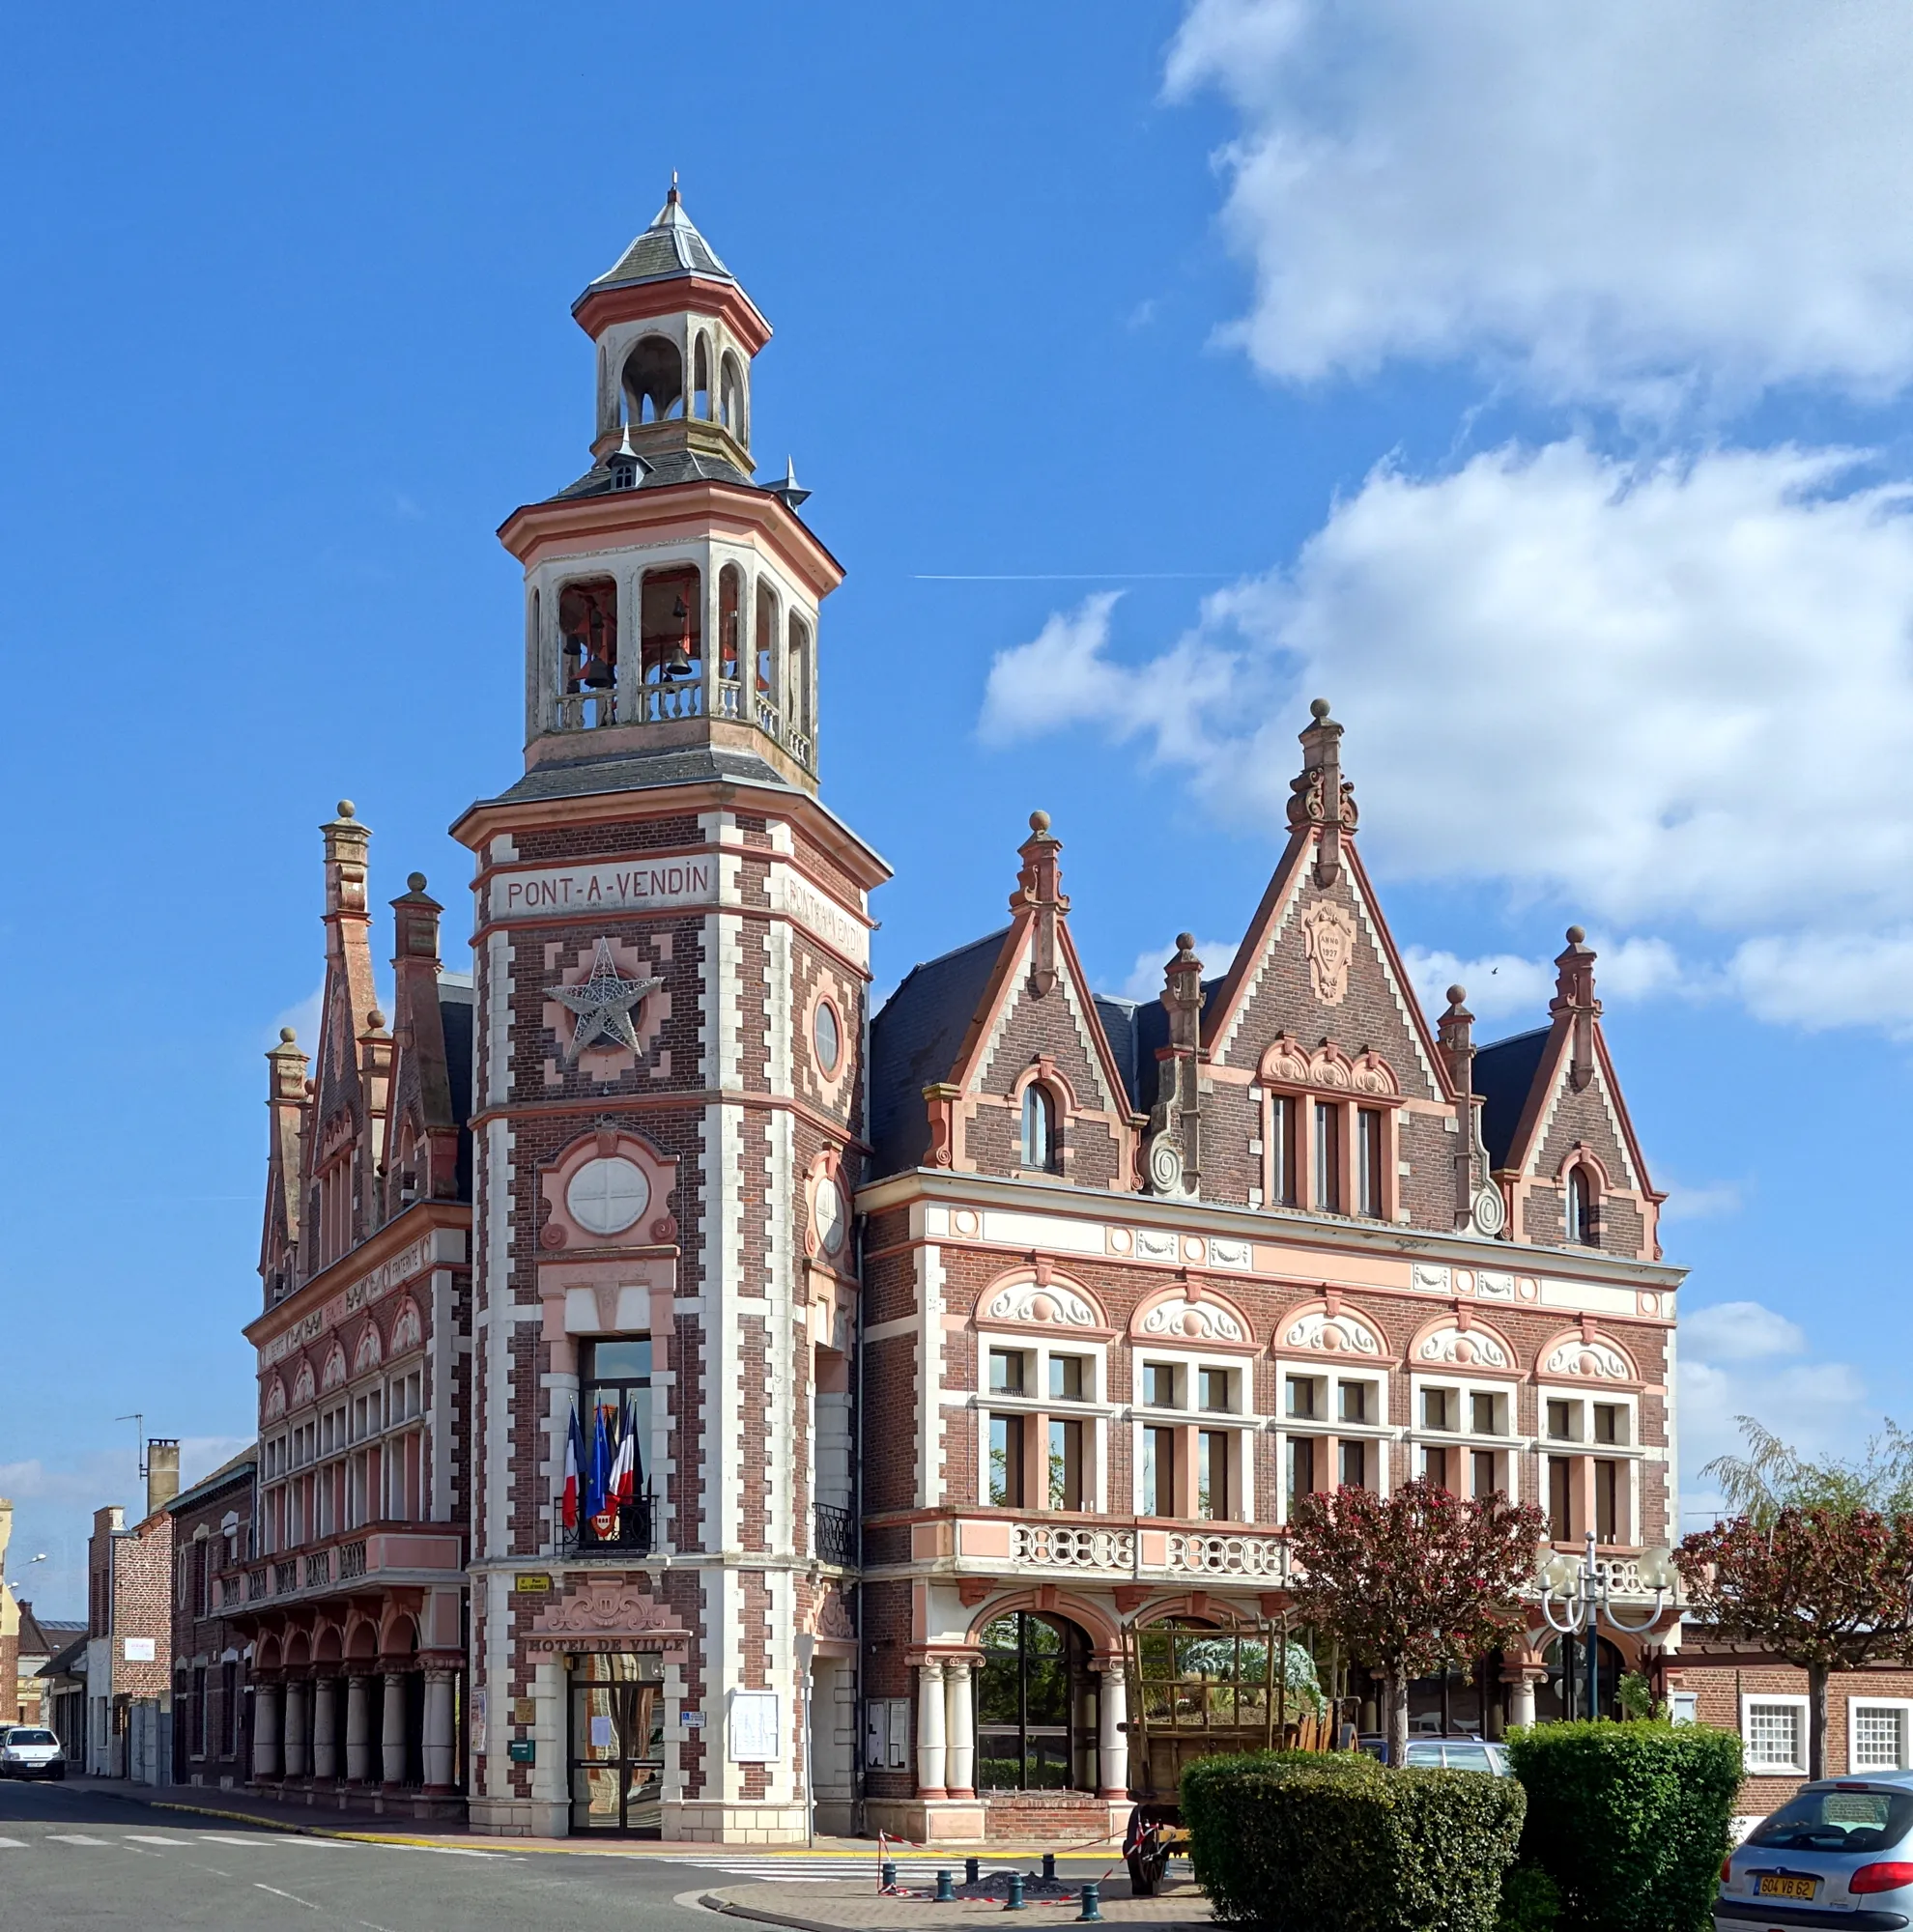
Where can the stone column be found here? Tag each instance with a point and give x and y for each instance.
(1521, 1670)
(264, 1730)
(1112, 1743)
(440, 1731)
(931, 1768)
(959, 1727)
(298, 1763)
(391, 1735)
(326, 1727)
(358, 1729)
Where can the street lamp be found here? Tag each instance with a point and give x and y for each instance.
(1585, 1598)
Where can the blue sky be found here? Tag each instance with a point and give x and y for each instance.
(1534, 388)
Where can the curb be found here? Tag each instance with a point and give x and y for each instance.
(715, 1901)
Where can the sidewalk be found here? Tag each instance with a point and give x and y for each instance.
(325, 1821)
(832, 1905)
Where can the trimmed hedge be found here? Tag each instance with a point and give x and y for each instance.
(1301, 1841)
(1631, 1821)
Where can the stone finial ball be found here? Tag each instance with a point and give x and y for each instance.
(1576, 934)
(375, 1019)
(1456, 995)
(1039, 821)
(1185, 942)
(287, 1035)
(1317, 708)
(415, 882)
(345, 808)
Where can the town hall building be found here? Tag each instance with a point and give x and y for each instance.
(692, 1404)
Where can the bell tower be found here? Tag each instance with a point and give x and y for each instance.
(672, 969)
(671, 603)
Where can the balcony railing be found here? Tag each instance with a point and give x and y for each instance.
(835, 1535)
(634, 1534)
(352, 1560)
(407, 1551)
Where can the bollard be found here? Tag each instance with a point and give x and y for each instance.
(1014, 1902)
(944, 1894)
(972, 1871)
(1092, 1912)
(887, 1871)
(1049, 1867)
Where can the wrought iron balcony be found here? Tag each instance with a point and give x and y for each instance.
(835, 1535)
(634, 1534)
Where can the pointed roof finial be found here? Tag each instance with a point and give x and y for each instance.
(674, 195)
(788, 489)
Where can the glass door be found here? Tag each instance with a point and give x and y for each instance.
(616, 1762)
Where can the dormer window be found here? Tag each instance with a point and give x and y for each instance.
(1584, 1212)
(1039, 1127)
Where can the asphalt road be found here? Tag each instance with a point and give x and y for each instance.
(85, 1859)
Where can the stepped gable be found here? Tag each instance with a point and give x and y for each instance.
(1318, 961)
(1571, 1116)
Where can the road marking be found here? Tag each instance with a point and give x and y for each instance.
(12, 1844)
(147, 1839)
(277, 1893)
(76, 1838)
(233, 1837)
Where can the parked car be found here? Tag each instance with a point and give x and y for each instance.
(27, 1751)
(1841, 1853)
(1458, 1753)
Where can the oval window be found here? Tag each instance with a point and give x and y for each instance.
(605, 1195)
(827, 1036)
(830, 1213)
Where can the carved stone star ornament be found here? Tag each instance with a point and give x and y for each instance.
(601, 1005)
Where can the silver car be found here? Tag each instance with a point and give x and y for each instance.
(1840, 1853)
(27, 1751)
(1458, 1753)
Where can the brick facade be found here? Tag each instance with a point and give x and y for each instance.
(210, 1651)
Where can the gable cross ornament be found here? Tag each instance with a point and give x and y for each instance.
(601, 1005)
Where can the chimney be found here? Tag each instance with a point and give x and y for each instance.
(162, 1472)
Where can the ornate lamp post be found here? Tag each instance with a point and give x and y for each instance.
(1577, 1596)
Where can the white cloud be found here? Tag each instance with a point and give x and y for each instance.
(1683, 688)
(1742, 1359)
(1739, 1331)
(1623, 202)
(303, 1019)
(1145, 979)
(1700, 1204)
(1497, 984)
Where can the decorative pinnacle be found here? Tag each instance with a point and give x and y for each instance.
(1577, 935)
(1185, 942)
(415, 882)
(287, 1035)
(1318, 709)
(1456, 995)
(1039, 822)
(346, 808)
(376, 1020)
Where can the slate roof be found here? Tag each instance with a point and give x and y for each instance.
(1504, 1077)
(70, 1661)
(233, 1467)
(584, 778)
(668, 465)
(670, 246)
(44, 1636)
(913, 1040)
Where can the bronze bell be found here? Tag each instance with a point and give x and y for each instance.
(676, 661)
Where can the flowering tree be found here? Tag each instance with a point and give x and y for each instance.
(1827, 1587)
(1413, 1581)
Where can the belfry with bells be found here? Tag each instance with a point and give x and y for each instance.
(671, 945)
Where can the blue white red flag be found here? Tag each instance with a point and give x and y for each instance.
(624, 1462)
(574, 1468)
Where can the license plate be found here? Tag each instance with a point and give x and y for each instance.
(1778, 1885)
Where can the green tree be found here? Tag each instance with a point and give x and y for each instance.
(1412, 1582)
(1826, 1588)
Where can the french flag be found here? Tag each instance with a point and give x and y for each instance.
(624, 1464)
(574, 1468)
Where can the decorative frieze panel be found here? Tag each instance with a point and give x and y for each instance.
(1586, 1358)
(1338, 1334)
(1453, 1347)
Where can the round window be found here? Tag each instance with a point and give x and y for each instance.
(830, 1213)
(827, 1036)
(605, 1195)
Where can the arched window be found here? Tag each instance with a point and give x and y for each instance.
(654, 380)
(1039, 1127)
(730, 624)
(588, 632)
(1037, 1714)
(730, 401)
(766, 639)
(1583, 1212)
(701, 379)
(796, 677)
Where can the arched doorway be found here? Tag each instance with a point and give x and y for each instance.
(1563, 1692)
(1037, 1706)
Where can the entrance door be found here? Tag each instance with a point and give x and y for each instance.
(617, 1763)
(1037, 1706)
